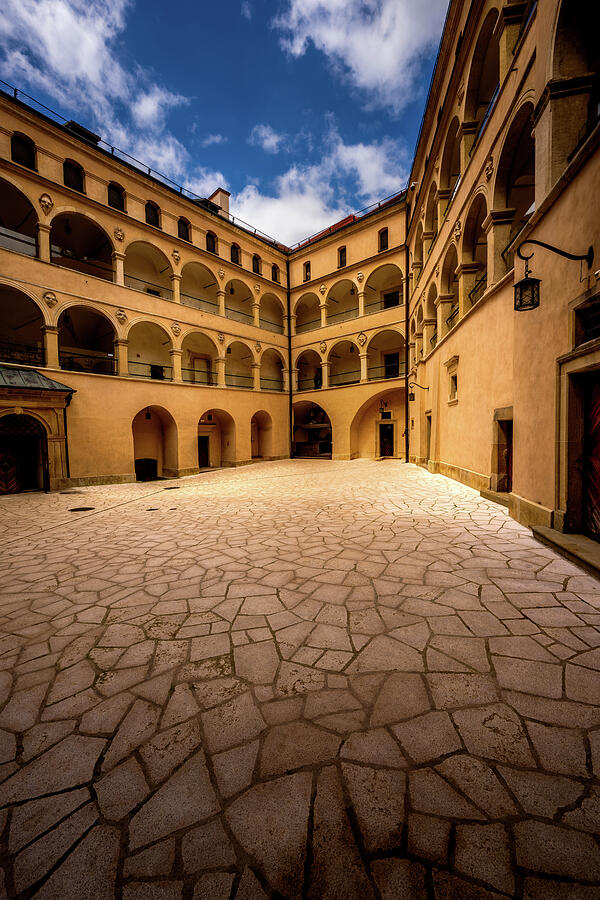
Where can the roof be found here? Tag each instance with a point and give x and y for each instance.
(28, 379)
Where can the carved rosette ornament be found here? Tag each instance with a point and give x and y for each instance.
(362, 339)
(119, 234)
(323, 347)
(359, 277)
(176, 255)
(46, 203)
(258, 346)
(322, 289)
(176, 329)
(50, 299)
(489, 168)
(221, 337)
(121, 315)
(457, 229)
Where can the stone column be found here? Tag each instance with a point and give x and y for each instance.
(176, 354)
(50, 333)
(118, 267)
(466, 135)
(294, 379)
(176, 287)
(256, 313)
(497, 226)
(325, 370)
(221, 371)
(293, 324)
(364, 368)
(121, 348)
(443, 198)
(443, 304)
(508, 27)
(286, 380)
(255, 376)
(221, 302)
(429, 326)
(361, 303)
(323, 310)
(467, 276)
(419, 345)
(43, 241)
(411, 355)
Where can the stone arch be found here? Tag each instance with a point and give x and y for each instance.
(418, 245)
(386, 354)
(239, 299)
(272, 312)
(21, 321)
(384, 288)
(261, 435)
(514, 187)
(431, 212)
(430, 311)
(78, 242)
(312, 431)
(155, 444)
(366, 438)
(450, 164)
(18, 220)
(307, 312)
(342, 301)
(474, 248)
(484, 74)
(239, 362)
(217, 427)
(344, 363)
(86, 340)
(199, 287)
(148, 350)
(310, 370)
(449, 285)
(24, 452)
(272, 365)
(147, 269)
(199, 358)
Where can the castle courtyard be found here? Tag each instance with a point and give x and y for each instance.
(298, 679)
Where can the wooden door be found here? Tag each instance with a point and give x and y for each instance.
(9, 468)
(203, 451)
(386, 440)
(591, 476)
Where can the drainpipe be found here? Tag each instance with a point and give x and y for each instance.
(67, 463)
(406, 335)
(289, 331)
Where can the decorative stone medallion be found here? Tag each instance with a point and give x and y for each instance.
(359, 276)
(121, 315)
(50, 299)
(46, 203)
(221, 337)
(457, 229)
(176, 255)
(258, 346)
(119, 234)
(176, 329)
(322, 346)
(322, 289)
(489, 168)
(362, 339)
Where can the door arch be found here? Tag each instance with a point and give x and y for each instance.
(154, 444)
(23, 455)
(261, 435)
(312, 431)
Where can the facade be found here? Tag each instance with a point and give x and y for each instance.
(185, 340)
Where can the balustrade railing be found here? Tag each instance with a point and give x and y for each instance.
(271, 384)
(148, 287)
(301, 327)
(197, 376)
(233, 380)
(28, 354)
(155, 371)
(351, 376)
(380, 373)
(199, 303)
(452, 318)
(84, 362)
(478, 289)
(19, 243)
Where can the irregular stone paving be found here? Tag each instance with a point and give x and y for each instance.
(300, 679)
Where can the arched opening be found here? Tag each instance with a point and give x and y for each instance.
(312, 431)
(342, 302)
(18, 221)
(450, 285)
(147, 269)
(450, 167)
(418, 248)
(261, 435)
(152, 211)
(238, 365)
(183, 229)
(238, 301)
(308, 315)
(515, 182)
(86, 341)
(271, 313)
(383, 240)
(236, 255)
(199, 359)
(256, 264)
(211, 242)
(22, 151)
(271, 371)
(155, 449)
(484, 77)
(78, 243)
(431, 314)
(73, 176)
(216, 439)
(385, 356)
(116, 196)
(377, 429)
(23, 455)
(383, 289)
(310, 371)
(199, 288)
(431, 215)
(475, 248)
(344, 364)
(21, 321)
(148, 352)
(275, 273)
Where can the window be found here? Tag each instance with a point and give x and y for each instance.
(452, 367)
(73, 175)
(22, 151)
(152, 214)
(383, 239)
(275, 273)
(211, 242)
(307, 271)
(236, 256)
(256, 264)
(341, 257)
(183, 229)
(391, 298)
(116, 196)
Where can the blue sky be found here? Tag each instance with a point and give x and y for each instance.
(304, 109)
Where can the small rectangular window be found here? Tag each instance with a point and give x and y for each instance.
(341, 257)
(307, 271)
(453, 386)
(383, 239)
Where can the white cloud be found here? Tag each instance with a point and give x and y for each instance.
(377, 44)
(212, 139)
(266, 137)
(306, 199)
(150, 109)
(246, 10)
(204, 182)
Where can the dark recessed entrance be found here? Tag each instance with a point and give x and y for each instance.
(23, 455)
(203, 451)
(591, 458)
(386, 439)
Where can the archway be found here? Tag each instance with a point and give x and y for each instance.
(383, 289)
(148, 352)
(261, 435)
(238, 365)
(271, 313)
(385, 356)
(23, 455)
(484, 77)
(21, 324)
(147, 269)
(308, 314)
(377, 429)
(475, 249)
(450, 285)
(515, 181)
(342, 302)
(18, 221)
(310, 371)
(155, 450)
(199, 287)
(216, 439)
(344, 364)
(86, 341)
(238, 301)
(199, 359)
(312, 436)
(271, 371)
(78, 243)
(450, 167)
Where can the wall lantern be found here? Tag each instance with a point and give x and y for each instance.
(527, 291)
(413, 384)
(148, 416)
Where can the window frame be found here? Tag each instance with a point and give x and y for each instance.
(150, 204)
(73, 166)
(182, 221)
(211, 238)
(28, 142)
(256, 264)
(116, 186)
(383, 236)
(306, 269)
(342, 261)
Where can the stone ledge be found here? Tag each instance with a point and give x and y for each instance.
(575, 547)
(496, 497)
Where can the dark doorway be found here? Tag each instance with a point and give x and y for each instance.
(146, 469)
(505, 455)
(591, 460)
(23, 455)
(386, 439)
(428, 437)
(203, 458)
(391, 362)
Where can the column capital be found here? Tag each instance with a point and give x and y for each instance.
(49, 329)
(117, 254)
(44, 226)
(174, 351)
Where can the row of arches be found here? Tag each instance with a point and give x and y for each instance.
(381, 358)
(87, 342)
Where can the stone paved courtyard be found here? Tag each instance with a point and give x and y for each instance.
(301, 679)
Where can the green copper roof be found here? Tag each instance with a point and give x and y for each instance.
(28, 379)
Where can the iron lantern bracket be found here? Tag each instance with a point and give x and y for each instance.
(588, 257)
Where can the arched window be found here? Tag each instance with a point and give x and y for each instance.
(307, 271)
(152, 214)
(256, 264)
(73, 175)
(183, 229)
(341, 257)
(236, 256)
(116, 196)
(275, 273)
(383, 242)
(211, 242)
(22, 151)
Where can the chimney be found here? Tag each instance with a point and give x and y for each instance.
(221, 199)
